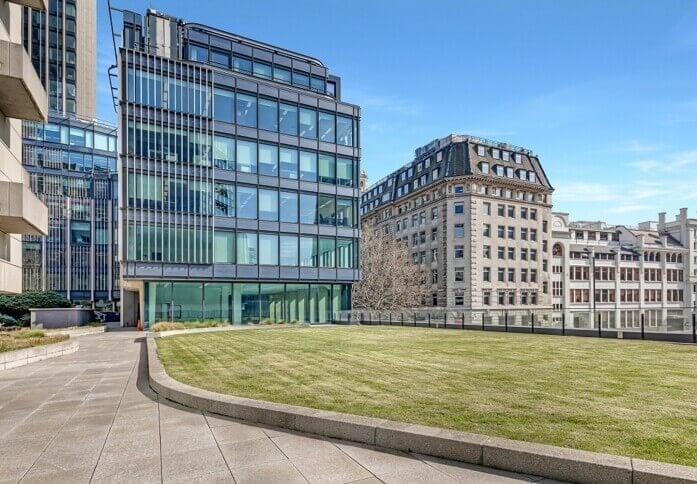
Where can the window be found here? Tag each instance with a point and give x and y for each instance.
(484, 167)
(459, 230)
(225, 199)
(308, 123)
(326, 252)
(459, 208)
(198, 53)
(224, 152)
(268, 114)
(344, 172)
(246, 202)
(459, 251)
(288, 250)
(511, 275)
(80, 233)
(327, 210)
(268, 205)
(511, 211)
(486, 251)
(308, 208)
(511, 232)
(288, 207)
(288, 160)
(486, 298)
(308, 251)
(459, 298)
(246, 156)
(327, 169)
(327, 123)
(288, 119)
(486, 274)
(223, 105)
(501, 251)
(481, 151)
(344, 212)
(220, 58)
(486, 208)
(281, 75)
(300, 79)
(268, 249)
(501, 231)
(511, 253)
(533, 214)
(345, 253)
(501, 274)
(247, 248)
(262, 70)
(486, 231)
(308, 166)
(459, 189)
(242, 64)
(268, 160)
(344, 131)
(246, 110)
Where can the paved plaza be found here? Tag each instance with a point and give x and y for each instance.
(91, 417)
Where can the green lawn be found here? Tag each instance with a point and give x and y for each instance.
(27, 338)
(633, 398)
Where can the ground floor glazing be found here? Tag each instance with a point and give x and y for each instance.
(244, 303)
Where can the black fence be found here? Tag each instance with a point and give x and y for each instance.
(677, 324)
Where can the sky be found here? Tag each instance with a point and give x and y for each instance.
(604, 92)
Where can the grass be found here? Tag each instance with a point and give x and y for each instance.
(171, 325)
(632, 398)
(27, 338)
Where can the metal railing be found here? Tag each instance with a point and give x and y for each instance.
(677, 324)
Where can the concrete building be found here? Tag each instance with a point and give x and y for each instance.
(613, 275)
(239, 172)
(22, 96)
(71, 160)
(475, 214)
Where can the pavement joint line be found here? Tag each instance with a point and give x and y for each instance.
(134, 368)
(159, 435)
(53, 438)
(217, 444)
(288, 458)
(354, 460)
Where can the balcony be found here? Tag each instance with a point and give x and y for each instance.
(21, 212)
(35, 4)
(22, 96)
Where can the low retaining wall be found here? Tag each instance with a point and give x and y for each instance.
(13, 359)
(53, 318)
(511, 455)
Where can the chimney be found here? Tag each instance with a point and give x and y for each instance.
(661, 221)
(683, 214)
(664, 240)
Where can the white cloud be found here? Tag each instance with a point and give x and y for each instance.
(672, 162)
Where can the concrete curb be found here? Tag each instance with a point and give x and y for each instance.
(14, 359)
(529, 458)
(80, 331)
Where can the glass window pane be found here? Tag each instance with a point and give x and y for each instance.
(344, 131)
(300, 79)
(308, 166)
(262, 70)
(308, 209)
(220, 58)
(224, 199)
(268, 249)
(289, 163)
(271, 299)
(246, 156)
(289, 250)
(217, 301)
(289, 207)
(345, 216)
(77, 137)
(344, 253)
(308, 251)
(345, 172)
(288, 119)
(317, 84)
(326, 127)
(224, 247)
(246, 202)
(281, 75)
(327, 169)
(246, 306)
(246, 248)
(80, 233)
(187, 301)
(268, 160)
(242, 64)
(326, 252)
(246, 110)
(308, 123)
(327, 210)
(224, 152)
(198, 53)
(158, 302)
(223, 105)
(268, 114)
(268, 205)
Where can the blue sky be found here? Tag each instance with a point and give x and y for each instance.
(605, 92)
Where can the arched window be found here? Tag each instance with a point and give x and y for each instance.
(557, 250)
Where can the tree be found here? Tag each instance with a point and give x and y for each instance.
(390, 279)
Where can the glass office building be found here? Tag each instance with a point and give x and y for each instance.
(72, 169)
(239, 167)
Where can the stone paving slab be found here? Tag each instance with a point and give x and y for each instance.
(92, 417)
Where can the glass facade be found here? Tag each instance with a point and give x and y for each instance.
(236, 181)
(244, 303)
(72, 169)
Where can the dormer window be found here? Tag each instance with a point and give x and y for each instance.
(484, 167)
(495, 154)
(499, 170)
(439, 156)
(532, 177)
(481, 151)
(509, 172)
(506, 155)
(518, 158)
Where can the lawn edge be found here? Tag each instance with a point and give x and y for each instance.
(511, 455)
(25, 356)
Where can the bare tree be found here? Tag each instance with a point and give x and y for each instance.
(390, 279)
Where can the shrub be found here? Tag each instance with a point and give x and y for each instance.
(18, 305)
(167, 326)
(26, 334)
(6, 320)
(266, 321)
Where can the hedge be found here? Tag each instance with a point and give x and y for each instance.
(18, 305)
